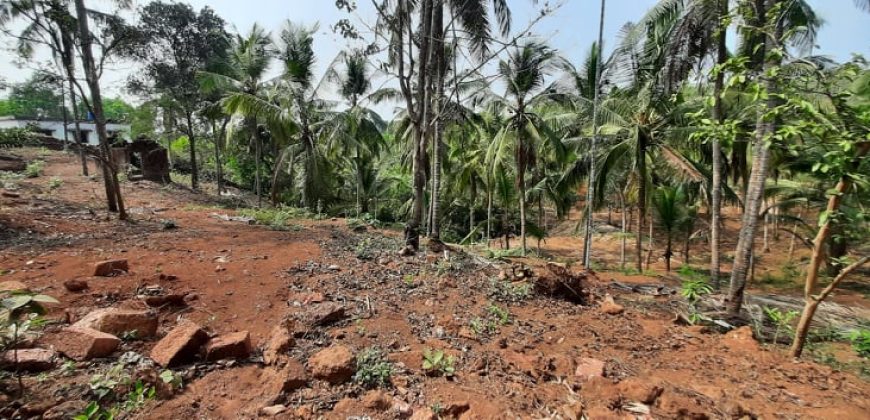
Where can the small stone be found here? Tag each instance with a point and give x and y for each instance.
(333, 267)
(75, 285)
(29, 360)
(280, 341)
(180, 345)
(13, 286)
(323, 314)
(273, 410)
(334, 364)
(424, 413)
(588, 368)
(117, 321)
(82, 343)
(306, 298)
(377, 400)
(288, 378)
(65, 410)
(572, 410)
(610, 307)
(173, 299)
(455, 409)
(229, 346)
(110, 268)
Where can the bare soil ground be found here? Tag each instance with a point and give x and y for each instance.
(240, 277)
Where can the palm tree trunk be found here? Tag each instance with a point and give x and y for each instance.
(641, 197)
(258, 156)
(521, 186)
(489, 213)
(471, 208)
(110, 175)
(758, 177)
(668, 252)
(650, 249)
(412, 231)
(590, 191)
(719, 117)
(624, 229)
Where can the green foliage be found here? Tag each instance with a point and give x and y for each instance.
(34, 169)
(505, 291)
(861, 342)
(55, 184)
(275, 218)
(373, 370)
(781, 320)
(438, 363)
(17, 137)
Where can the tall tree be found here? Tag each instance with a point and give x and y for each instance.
(177, 43)
(96, 103)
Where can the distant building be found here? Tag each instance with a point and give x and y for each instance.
(54, 128)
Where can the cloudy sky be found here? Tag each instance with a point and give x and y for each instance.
(571, 29)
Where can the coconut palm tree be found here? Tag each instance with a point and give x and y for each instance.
(356, 133)
(292, 113)
(248, 62)
(669, 203)
(524, 72)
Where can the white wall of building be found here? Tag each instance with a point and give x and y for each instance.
(55, 128)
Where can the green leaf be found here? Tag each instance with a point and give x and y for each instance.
(44, 299)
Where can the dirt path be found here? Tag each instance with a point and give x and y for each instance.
(538, 357)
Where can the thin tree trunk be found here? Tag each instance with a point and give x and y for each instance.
(218, 145)
(78, 133)
(794, 235)
(758, 176)
(668, 253)
(719, 117)
(812, 279)
(113, 188)
(521, 186)
(765, 235)
(191, 138)
(258, 158)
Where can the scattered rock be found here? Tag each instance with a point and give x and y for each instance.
(82, 343)
(65, 410)
(572, 410)
(29, 360)
(323, 314)
(229, 346)
(280, 341)
(406, 251)
(110, 268)
(13, 286)
(334, 364)
(588, 368)
(75, 285)
(273, 410)
(180, 345)
(172, 299)
(333, 267)
(402, 408)
(288, 378)
(377, 400)
(455, 409)
(424, 413)
(117, 321)
(304, 298)
(635, 389)
(610, 307)
(741, 339)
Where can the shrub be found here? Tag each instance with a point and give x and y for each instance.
(372, 368)
(34, 169)
(437, 363)
(861, 342)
